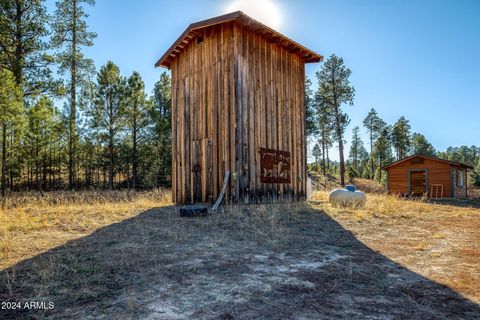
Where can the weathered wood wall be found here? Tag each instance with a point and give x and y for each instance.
(233, 93)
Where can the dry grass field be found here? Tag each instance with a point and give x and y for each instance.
(31, 224)
(114, 255)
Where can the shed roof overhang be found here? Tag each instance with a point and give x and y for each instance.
(454, 163)
(251, 24)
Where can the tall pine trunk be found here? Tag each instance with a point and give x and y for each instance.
(18, 68)
(19, 58)
(372, 165)
(44, 163)
(72, 119)
(50, 166)
(380, 171)
(340, 150)
(328, 160)
(134, 151)
(38, 178)
(4, 162)
(12, 155)
(324, 168)
(110, 142)
(338, 130)
(160, 144)
(110, 163)
(339, 134)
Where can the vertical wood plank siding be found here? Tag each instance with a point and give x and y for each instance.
(233, 93)
(438, 173)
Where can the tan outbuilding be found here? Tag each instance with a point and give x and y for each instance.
(420, 175)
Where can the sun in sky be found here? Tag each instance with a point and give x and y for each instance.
(265, 11)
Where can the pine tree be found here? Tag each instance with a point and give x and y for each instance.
(374, 125)
(317, 153)
(107, 113)
(23, 49)
(310, 112)
(420, 145)
(357, 150)
(137, 118)
(464, 154)
(24, 52)
(382, 151)
(351, 174)
(400, 136)
(10, 109)
(335, 90)
(476, 175)
(43, 120)
(70, 35)
(324, 127)
(161, 114)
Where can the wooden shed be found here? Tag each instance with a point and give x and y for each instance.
(238, 107)
(418, 175)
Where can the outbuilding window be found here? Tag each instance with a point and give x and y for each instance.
(460, 178)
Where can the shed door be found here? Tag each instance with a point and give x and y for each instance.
(418, 183)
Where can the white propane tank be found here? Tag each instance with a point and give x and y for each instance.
(347, 198)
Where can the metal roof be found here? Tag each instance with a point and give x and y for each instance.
(455, 163)
(251, 24)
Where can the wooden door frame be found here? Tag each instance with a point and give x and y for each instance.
(410, 182)
(452, 181)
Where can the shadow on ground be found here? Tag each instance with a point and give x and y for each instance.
(277, 262)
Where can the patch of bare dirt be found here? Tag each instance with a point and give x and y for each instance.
(442, 247)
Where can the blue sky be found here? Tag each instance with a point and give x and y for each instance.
(419, 59)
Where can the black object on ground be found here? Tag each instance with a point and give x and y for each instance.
(193, 211)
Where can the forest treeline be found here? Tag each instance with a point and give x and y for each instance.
(326, 123)
(109, 132)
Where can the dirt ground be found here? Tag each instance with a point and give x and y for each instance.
(444, 248)
(303, 261)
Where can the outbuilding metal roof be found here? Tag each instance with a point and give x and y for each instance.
(455, 163)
